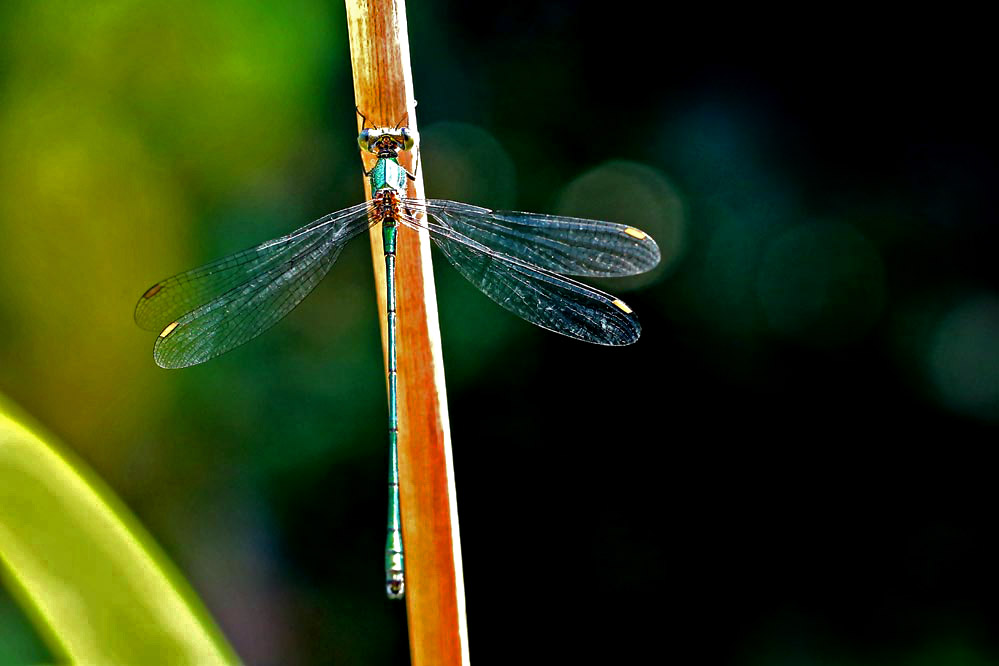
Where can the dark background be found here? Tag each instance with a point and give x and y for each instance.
(791, 466)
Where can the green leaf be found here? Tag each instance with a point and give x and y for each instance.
(94, 583)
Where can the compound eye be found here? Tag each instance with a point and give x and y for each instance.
(408, 139)
(364, 140)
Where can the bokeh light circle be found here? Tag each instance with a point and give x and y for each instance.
(466, 163)
(963, 356)
(821, 284)
(633, 194)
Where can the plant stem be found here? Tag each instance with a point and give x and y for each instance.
(383, 90)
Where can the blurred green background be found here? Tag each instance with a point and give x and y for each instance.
(790, 467)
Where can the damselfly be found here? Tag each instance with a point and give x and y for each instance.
(519, 260)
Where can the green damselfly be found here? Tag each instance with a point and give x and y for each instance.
(520, 260)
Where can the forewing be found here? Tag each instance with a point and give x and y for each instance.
(235, 299)
(564, 245)
(167, 301)
(536, 294)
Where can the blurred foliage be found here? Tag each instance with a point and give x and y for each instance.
(807, 410)
(83, 566)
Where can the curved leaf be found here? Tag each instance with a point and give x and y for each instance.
(97, 587)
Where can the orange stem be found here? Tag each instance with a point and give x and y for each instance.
(435, 603)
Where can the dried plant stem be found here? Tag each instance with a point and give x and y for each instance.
(383, 89)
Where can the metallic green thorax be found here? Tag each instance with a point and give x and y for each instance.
(387, 172)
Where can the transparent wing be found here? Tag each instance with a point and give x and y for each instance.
(207, 311)
(534, 293)
(165, 302)
(564, 245)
